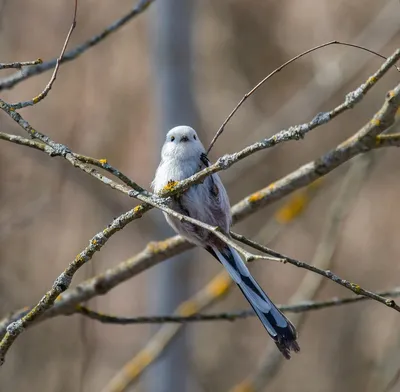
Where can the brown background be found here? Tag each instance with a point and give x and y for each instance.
(101, 105)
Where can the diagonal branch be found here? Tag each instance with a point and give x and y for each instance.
(364, 140)
(355, 288)
(309, 287)
(49, 85)
(292, 133)
(280, 68)
(11, 81)
(62, 283)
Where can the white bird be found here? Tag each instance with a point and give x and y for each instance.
(182, 156)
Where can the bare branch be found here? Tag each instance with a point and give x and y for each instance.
(49, 85)
(10, 82)
(19, 65)
(154, 253)
(355, 288)
(26, 142)
(300, 307)
(364, 140)
(276, 70)
(323, 258)
(214, 290)
(293, 133)
(62, 283)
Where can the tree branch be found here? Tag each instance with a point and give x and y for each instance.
(49, 85)
(303, 306)
(311, 284)
(280, 68)
(62, 283)
(11, 81)
(21, 64)
(292, 133)
(362, 141)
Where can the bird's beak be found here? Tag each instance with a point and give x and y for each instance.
(184, 139)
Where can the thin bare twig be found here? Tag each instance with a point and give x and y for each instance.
(19, 65)
(355, 288)
(292, 133)
(364, 140)
(62, 283)
(11, 81)
(214, 290)
(276, 70)
(303, 306)
(49, 85)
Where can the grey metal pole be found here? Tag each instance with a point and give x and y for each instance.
(174, 105)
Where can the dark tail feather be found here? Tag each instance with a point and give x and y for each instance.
(281, 330)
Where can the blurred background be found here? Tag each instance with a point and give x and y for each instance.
(190, 62)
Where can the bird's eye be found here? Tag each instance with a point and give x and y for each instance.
(172, 138)
(194, 137)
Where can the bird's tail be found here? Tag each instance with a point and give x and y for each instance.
(281, 330)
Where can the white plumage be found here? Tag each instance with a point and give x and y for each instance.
(182, 156)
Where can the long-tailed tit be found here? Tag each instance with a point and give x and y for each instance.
(182, 156)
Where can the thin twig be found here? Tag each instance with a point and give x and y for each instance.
(362, 141)
(214, 290)
(26, 142)
(11, 81)
(19, 65)
(355, 288)
(304, 306)
(337, 156)
(292, 133)
(49, 85)
(62, 283)
(276, 70)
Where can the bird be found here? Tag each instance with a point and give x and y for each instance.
(183, 155)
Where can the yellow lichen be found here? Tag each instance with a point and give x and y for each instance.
(244, 386)
(188, 308)
(39, 61)
(170, 186)
(219, 285)
(255, 197)
(356, 288)
(375, 122)
(79, 259)
(103, 161)
(160, 246)
(292, 208)
(59, 298)
(136, 366)
(372, 80)
(93, 242)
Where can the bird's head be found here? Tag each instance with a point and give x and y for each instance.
(182, 143)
